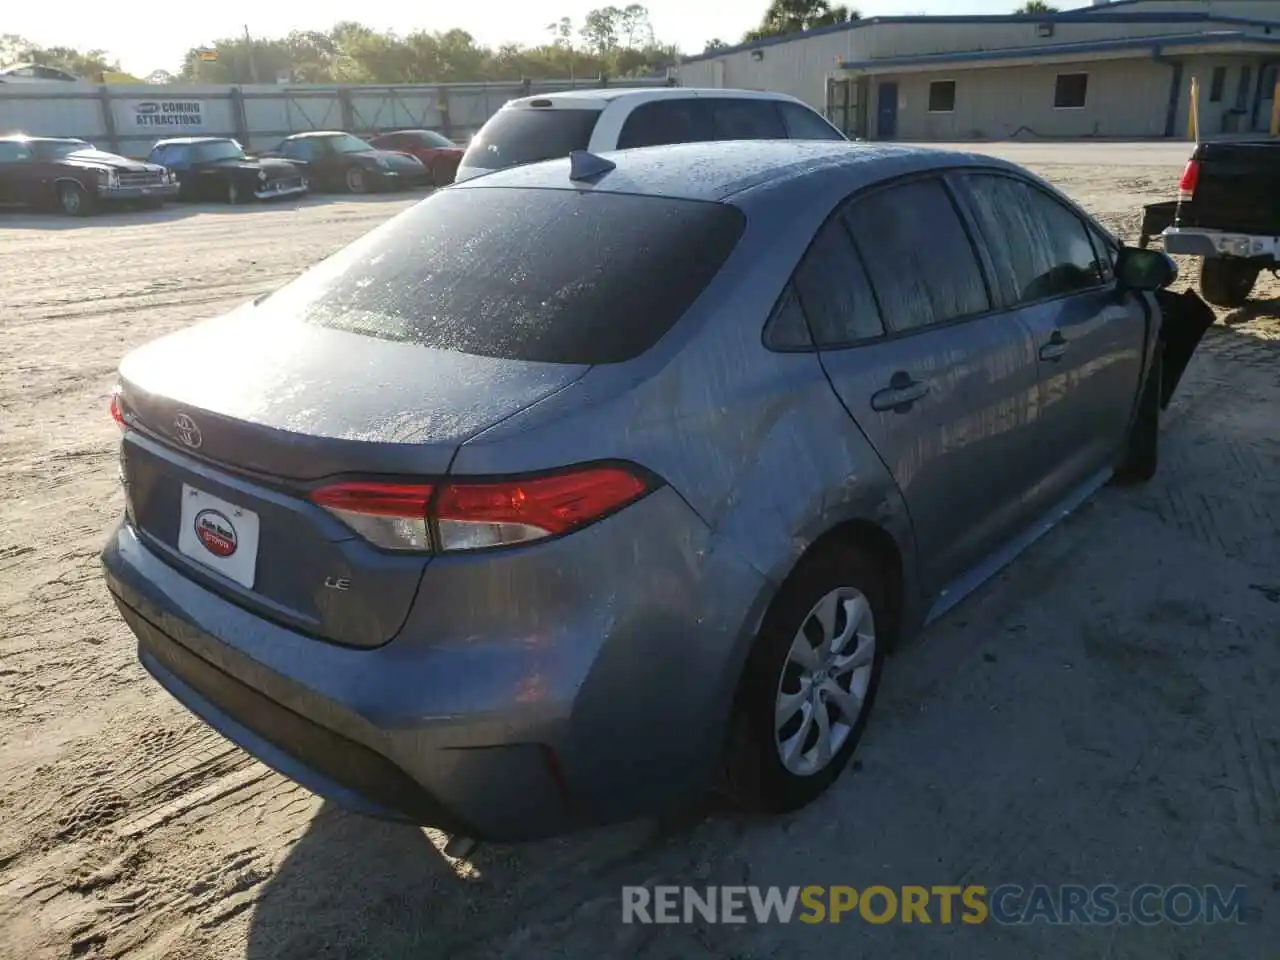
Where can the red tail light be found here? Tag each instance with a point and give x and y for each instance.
(391, 515)
(1190, 177)
(475, 516)
(117, 409)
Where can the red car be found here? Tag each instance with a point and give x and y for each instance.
(438, 153)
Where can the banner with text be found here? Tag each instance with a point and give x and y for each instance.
(159, 116)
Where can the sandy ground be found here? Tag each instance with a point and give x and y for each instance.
(1105, 712)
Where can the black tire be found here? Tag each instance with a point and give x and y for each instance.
(755, 778)
(1227, 282)
(1141, 454)
(74, 200)
(354, 179)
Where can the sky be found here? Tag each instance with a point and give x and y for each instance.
(155, 40)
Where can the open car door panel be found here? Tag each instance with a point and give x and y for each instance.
(1185, 318)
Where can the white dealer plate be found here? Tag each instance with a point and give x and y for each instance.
(219, 535)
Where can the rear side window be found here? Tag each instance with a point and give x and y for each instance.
(178, 153)
(513, 137)
(834, 291)
(679, 120)
(1039, 247)
(555, 276)
(804, 124)
(918, 255)
(298, 149)
(744, 119)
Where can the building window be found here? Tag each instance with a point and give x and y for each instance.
(1070, 91)
(1217, 84)
(942, 96)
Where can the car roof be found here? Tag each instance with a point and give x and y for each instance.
(601, 97)
(315, 134)
(189, 140)
(719, 169)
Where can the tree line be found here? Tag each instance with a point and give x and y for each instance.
(609, 41)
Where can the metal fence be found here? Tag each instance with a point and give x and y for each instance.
(128, 119)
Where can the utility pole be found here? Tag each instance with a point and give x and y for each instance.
(253, 66)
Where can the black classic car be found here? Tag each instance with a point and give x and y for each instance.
(341, 161)
(217, 168)
(75, 177)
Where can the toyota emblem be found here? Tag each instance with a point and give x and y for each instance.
(187, 431)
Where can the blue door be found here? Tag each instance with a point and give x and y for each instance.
(887, 112)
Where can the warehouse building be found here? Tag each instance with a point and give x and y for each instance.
(1113, 69)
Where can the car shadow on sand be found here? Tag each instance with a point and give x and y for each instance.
(1253, 310)
(352, 886)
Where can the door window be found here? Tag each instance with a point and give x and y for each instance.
(834, 291)
(174, 155)
(745, 119)
(787, 329)
(1039, 247)
(918, 256)
(805, 124)
(682, 120)
(298, 149)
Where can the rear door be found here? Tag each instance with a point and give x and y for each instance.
(939, 383)
(1057, 275)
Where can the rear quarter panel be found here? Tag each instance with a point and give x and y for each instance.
(755, 441)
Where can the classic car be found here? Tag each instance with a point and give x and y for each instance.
(340, 161)
(438, 153)
(75, 177)
(217, 168)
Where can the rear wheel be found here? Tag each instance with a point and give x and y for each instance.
(73, 200)
(355, 180)
(1227, 282)
(809, 683)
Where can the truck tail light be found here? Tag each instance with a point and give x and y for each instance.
(476, 515)
(1190, 177)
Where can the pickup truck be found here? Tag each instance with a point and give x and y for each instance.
(1228, 212)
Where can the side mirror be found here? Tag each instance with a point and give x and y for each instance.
(1139, 269)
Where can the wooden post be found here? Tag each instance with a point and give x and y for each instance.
(1193, 113)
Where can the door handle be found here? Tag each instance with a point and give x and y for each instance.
(900, 395)
(1055, 348)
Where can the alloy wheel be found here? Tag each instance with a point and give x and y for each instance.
(824, 682)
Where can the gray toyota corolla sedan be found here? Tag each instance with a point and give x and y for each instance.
(575, 490)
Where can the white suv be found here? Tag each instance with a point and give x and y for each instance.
(553, 125)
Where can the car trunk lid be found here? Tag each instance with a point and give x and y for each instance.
(236, 420)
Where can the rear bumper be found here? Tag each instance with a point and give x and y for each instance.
(497, 737)
(1202, 242)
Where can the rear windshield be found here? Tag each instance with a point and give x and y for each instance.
(558, 276)
(523, 135)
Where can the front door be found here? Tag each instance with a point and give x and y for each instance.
(1056, 273)
(944, 392)
(887, 111)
